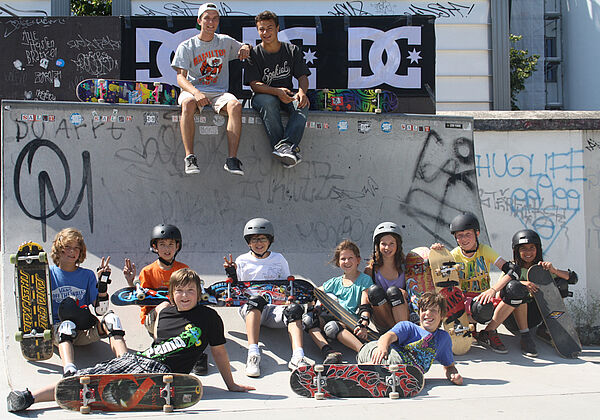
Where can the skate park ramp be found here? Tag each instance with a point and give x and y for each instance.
(115, 171)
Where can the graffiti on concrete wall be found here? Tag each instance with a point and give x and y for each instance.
(542, 190)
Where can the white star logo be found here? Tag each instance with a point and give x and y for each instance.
(414, 56)
(310, 56)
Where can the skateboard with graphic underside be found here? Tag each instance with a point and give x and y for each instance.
(357, 381)
(32, 292)
(554, 313)
(128, 392)
(143, 296)
(127, 92)
(341, 314)
(418, 277)
(354, 100)
(275, 292)
(446, 281)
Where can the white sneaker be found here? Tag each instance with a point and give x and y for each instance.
(253, 366)
(295, 363)
(191, 165)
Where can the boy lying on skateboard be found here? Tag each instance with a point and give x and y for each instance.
(180, 326)
(409, 344)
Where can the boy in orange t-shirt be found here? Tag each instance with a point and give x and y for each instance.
(166, 243)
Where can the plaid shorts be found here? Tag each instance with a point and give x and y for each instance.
(128, 363)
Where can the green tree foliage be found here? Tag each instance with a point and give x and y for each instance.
(91, 7)
(522, 66)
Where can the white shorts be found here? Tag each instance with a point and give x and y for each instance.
(270, 317)
(217, 99)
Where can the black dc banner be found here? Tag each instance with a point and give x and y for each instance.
(394, 53)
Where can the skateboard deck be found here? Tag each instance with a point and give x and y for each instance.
(275, 292)
(418, 276)
(127, 92)
(354, 100)
(360, 381)
(552, 308)
(127, 392)
(446, 281)
(32, 292)
(142, 296)
(341, 314)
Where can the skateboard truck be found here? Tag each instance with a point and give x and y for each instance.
(166, 392)
(291, 280)
(319, 382)
(87, 395)
(228, 299)
(393, 381)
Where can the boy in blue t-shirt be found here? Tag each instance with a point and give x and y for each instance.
(409, 344)
(74, 291)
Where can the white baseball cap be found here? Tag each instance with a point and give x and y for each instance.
(203, 8)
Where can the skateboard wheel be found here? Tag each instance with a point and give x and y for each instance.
(394, 368)
(319, 368)
(319, 396)
(19, 336)
(156, 83)
(84, 380)
(377, 90)
(167, 408)
(12, 258)
(43, 257)
(451, 331)
(204, 297)
(168, 379)
(471, 327)
(85, 409)
(394, 395)
(47, 335)
(378, 110)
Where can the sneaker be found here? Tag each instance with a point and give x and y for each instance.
(528, 345)
(200, 368)
(495, 343)
(296, 152)
(335, 357)
(253, 366)
(191, 165)
(295, 363)
(19, 400)
(542, 334)
(233, 165)
(283, 151)
(69, 372)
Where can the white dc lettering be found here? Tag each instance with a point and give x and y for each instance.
(169, 43)
(382, 72)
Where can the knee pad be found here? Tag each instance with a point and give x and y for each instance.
(310, 320)
(69, 310)
(112, 323)
(257, 302)
(482, 313)
(377, 295)
(332, 329)
(67, 331)
(514, 293)
(293, 312)
(395, 296)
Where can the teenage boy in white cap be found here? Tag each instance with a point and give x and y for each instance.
(201, 63)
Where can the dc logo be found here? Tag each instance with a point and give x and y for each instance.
(384, 72)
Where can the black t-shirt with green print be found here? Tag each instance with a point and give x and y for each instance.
(183, 336)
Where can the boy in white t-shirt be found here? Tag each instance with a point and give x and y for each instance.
(261, 264)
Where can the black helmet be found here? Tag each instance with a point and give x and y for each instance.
(165, 232)
(526, 236)
(463, 222)
(386, 228)
(259, 226)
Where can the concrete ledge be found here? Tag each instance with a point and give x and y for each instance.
(531, 120)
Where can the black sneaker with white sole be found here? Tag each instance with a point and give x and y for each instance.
(234, 166)
(19, 400)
